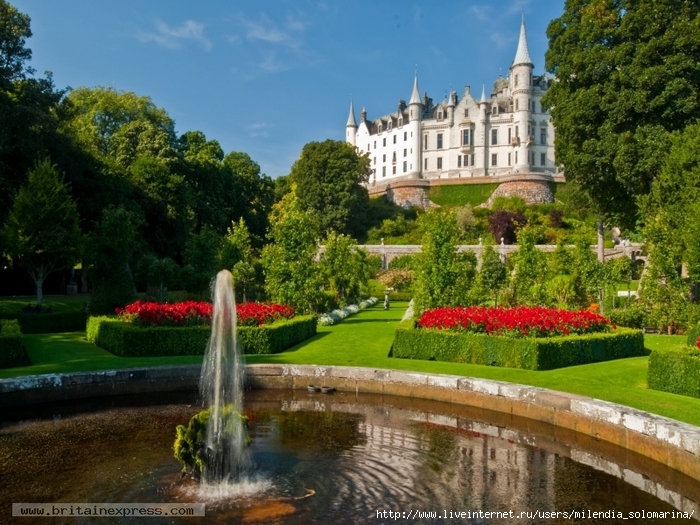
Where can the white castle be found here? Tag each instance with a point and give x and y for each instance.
(509, 133)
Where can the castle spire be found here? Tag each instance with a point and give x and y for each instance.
(522, 55)
(483, 93)
(351, 116)
(415, 95)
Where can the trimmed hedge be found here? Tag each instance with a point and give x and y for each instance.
(126, 340)
(527, 353)
(12, 351)
(675, 371)
(49, 323)
(693, 335)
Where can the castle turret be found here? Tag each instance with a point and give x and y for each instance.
(481, 160)
(351, 126)
(415, 115)
(521, 89)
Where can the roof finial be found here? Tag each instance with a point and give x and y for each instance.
(415, 94)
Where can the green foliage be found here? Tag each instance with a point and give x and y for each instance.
(237, 255)
(632, 317)
(677, 372)
(443, 277)
(398, 230)
(12, 352)
(461, 194)
(692, 336)
(48, 323)
(492, 276)
(190, 441)
(345, 269)
(125, 340)
(161, 273)
(108, 253)
(527, 353)
(201, 260)
(291, 274)
(41, 233)
(399, 279)
(380, 208)
(328, 177)
(627, 75)
(403, 261)
(529, 267)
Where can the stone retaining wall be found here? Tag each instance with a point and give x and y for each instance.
(664, 440)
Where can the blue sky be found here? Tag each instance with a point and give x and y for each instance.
(267, 77)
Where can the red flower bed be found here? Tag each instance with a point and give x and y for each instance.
(188, 313)
(697, 343)
(515, 322)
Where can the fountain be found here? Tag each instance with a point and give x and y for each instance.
(221, 388)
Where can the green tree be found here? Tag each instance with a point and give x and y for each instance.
(41, 233)
(493, 274)
(160, 273)
(201, 260)
(108, 257)
(443, 277)
(344, 268)
(627, 74)
(237, 255)
(328, 177)
(291, 272)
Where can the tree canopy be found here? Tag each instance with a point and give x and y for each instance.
(328, 177)
(627, 75)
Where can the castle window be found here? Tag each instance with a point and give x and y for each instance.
(405, 136)
(543, 159)
(494, 159)
(510, 138)
(394, 139)
(375, 144)
(543, 136)
(426, 164)
(466, 161)
(533, 106)
(472, 159)
(516, 156)
(384, 158)
(439, 141)
(509, 159)
(393, 170)
(393, 157)
(384, 142)
(367, 147)
(466, 113)
(439, 163)
(375, 160)
(425, 142)
(405, 151)
(400, 122)
(389, 126)
(465, 137)
(404, 166)
(494, 136)
(517, 135)
(440, 115)
(516, 104)
(516, 80)
(383, 171)
(459, 161)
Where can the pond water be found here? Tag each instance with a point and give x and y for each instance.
(341, 458)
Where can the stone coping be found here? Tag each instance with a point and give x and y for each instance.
(662, 439)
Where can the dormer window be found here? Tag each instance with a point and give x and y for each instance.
(400, 122)
(494, 110)
(440, 115)
(389, 126)
(379, 128)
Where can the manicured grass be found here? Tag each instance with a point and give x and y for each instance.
(59, 303)
(461, 194)
(365, 339)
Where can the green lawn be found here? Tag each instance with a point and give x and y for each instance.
(59, 303)
(365, 340)
(461, 194)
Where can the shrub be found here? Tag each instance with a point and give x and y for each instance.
(12, 351)
(693, 334)
(633, 317)
(126, 340)
(528, 352)
(49, 323)
(675, 371)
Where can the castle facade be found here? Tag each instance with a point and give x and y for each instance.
(507, 134)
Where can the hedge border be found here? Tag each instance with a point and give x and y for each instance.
(675, 371)
(12, 352)
(526, 353)
(52, 323)
(693, 335)
(125, 340)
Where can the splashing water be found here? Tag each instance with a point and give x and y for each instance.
(221, 387)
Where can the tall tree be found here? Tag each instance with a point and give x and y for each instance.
(329, 179)
(41, 232)
(237, 255)
(627, 74)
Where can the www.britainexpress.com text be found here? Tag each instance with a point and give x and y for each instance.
(413, 514)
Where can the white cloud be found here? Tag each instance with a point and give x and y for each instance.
(174, 37)
(259, 129)
(518, 6)
(501, 40)
(481, 12)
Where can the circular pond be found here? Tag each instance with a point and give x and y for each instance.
(341, 458)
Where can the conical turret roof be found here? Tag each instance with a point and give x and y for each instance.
(522, 55)
(351, 117)
(415, 95)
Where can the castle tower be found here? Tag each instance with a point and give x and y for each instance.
(351, 126)
(415, 116)
(521, 89)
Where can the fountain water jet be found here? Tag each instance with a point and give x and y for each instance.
(221, 387)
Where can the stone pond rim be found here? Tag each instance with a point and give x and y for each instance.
(664, 440)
